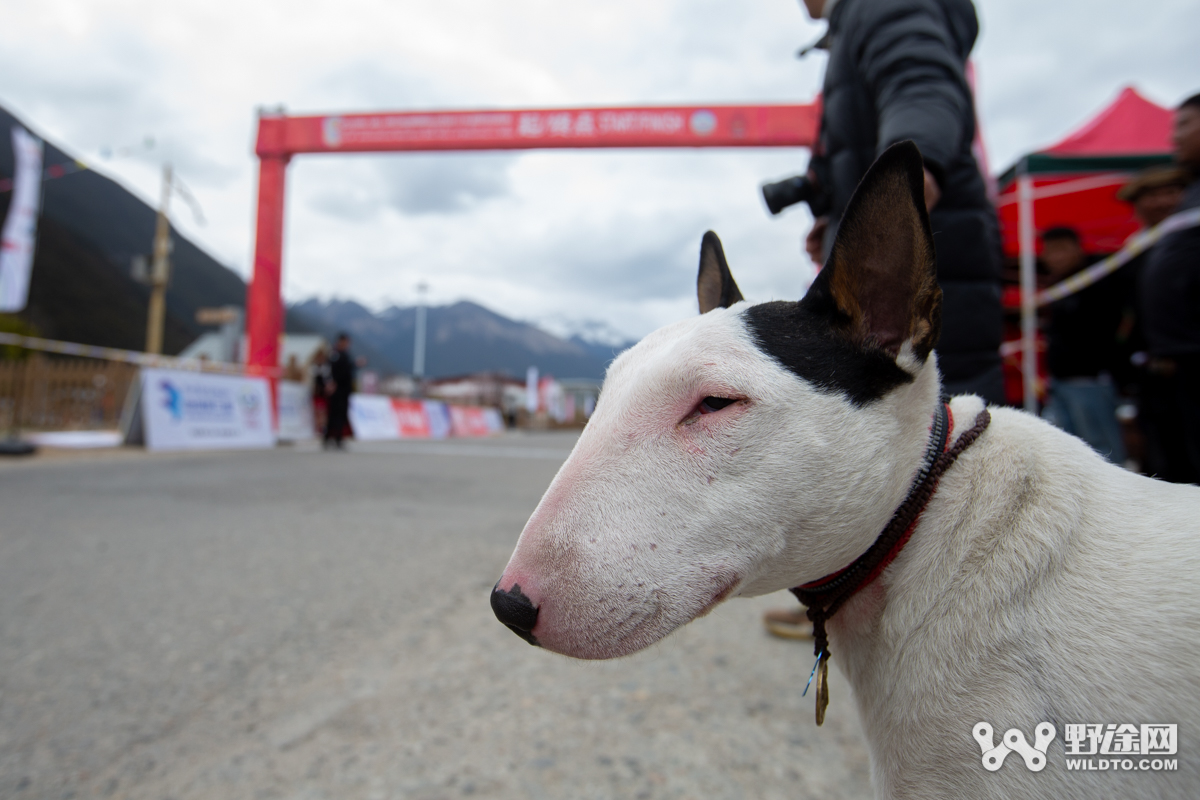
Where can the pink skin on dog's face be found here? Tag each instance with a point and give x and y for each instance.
(606, 579)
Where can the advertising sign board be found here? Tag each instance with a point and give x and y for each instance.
(295, 412)
(184, 410)
(373, 418)
(412, 420)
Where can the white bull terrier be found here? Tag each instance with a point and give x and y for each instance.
(1033, 588)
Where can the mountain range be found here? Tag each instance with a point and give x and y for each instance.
(460, 338)
(81, 290)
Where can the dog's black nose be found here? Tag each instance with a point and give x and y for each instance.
(516, 611)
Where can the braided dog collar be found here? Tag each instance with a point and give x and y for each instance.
(825, 596)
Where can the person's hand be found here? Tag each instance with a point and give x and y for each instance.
(814, 243)
(330, 387)
(932, 192)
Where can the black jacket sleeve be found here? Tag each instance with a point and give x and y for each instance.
(910, 62)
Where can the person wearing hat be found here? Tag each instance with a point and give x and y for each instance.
(1154, 194)
(1169, 305)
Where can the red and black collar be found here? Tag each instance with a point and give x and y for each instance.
(826, 595)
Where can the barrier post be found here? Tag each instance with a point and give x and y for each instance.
(1028, 256)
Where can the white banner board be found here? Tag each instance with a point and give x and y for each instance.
(20, 227)
(202, 411)
(439, 418)
(295, 412)
(373, 418)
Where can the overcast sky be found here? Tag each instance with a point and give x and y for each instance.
(554, 237)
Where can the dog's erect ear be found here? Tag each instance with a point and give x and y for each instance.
(882, 272)
(714, 285)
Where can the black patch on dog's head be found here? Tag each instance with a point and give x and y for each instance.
(801, 337)
(877, 292)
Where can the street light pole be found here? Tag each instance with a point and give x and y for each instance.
(160, 271)
(419, 339)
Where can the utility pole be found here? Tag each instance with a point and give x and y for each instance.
(419, 338)
(160, 271)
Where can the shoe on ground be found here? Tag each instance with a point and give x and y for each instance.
(788, 624)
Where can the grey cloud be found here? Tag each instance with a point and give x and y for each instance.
(625, 260)
(412, 184)
(110, 105)
(396, 85)
(371, 85)
(445, 184)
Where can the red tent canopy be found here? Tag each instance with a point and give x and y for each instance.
(1076, 180)
(1130, 126)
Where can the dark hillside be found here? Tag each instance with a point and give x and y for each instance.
(107, 226)
(76, 296)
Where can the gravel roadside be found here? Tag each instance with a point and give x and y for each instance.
(298, 624)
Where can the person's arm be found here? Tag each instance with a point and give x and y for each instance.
(910, 64)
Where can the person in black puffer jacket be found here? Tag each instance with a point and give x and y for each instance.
(897, 71)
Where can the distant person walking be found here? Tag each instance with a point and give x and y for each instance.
(1170, 313)
(338, 387)
(897, 70)
(319, 370)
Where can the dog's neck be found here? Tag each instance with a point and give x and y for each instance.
(868, 566)
(963, 411)
(826, 596)
(857, 636)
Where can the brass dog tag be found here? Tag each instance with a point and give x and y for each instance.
(822, 689)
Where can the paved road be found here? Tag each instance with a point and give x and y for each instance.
(298, 624)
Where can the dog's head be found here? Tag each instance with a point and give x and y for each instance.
(750, 449)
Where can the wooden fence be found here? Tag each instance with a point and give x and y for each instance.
(56, 393)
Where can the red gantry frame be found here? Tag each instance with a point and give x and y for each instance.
(280, 137)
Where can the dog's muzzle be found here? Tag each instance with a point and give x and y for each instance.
(516, 611)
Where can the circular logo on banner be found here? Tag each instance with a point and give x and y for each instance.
(331, 131)
(703, 122)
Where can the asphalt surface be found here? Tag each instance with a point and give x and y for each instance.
(299, 624)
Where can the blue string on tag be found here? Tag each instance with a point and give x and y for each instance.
(811, 675)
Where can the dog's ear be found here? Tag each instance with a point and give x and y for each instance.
(882, 274)
(714, 285)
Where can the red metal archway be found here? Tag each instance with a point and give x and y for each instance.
(280, 137)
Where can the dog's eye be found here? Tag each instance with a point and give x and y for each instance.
(711, 404)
